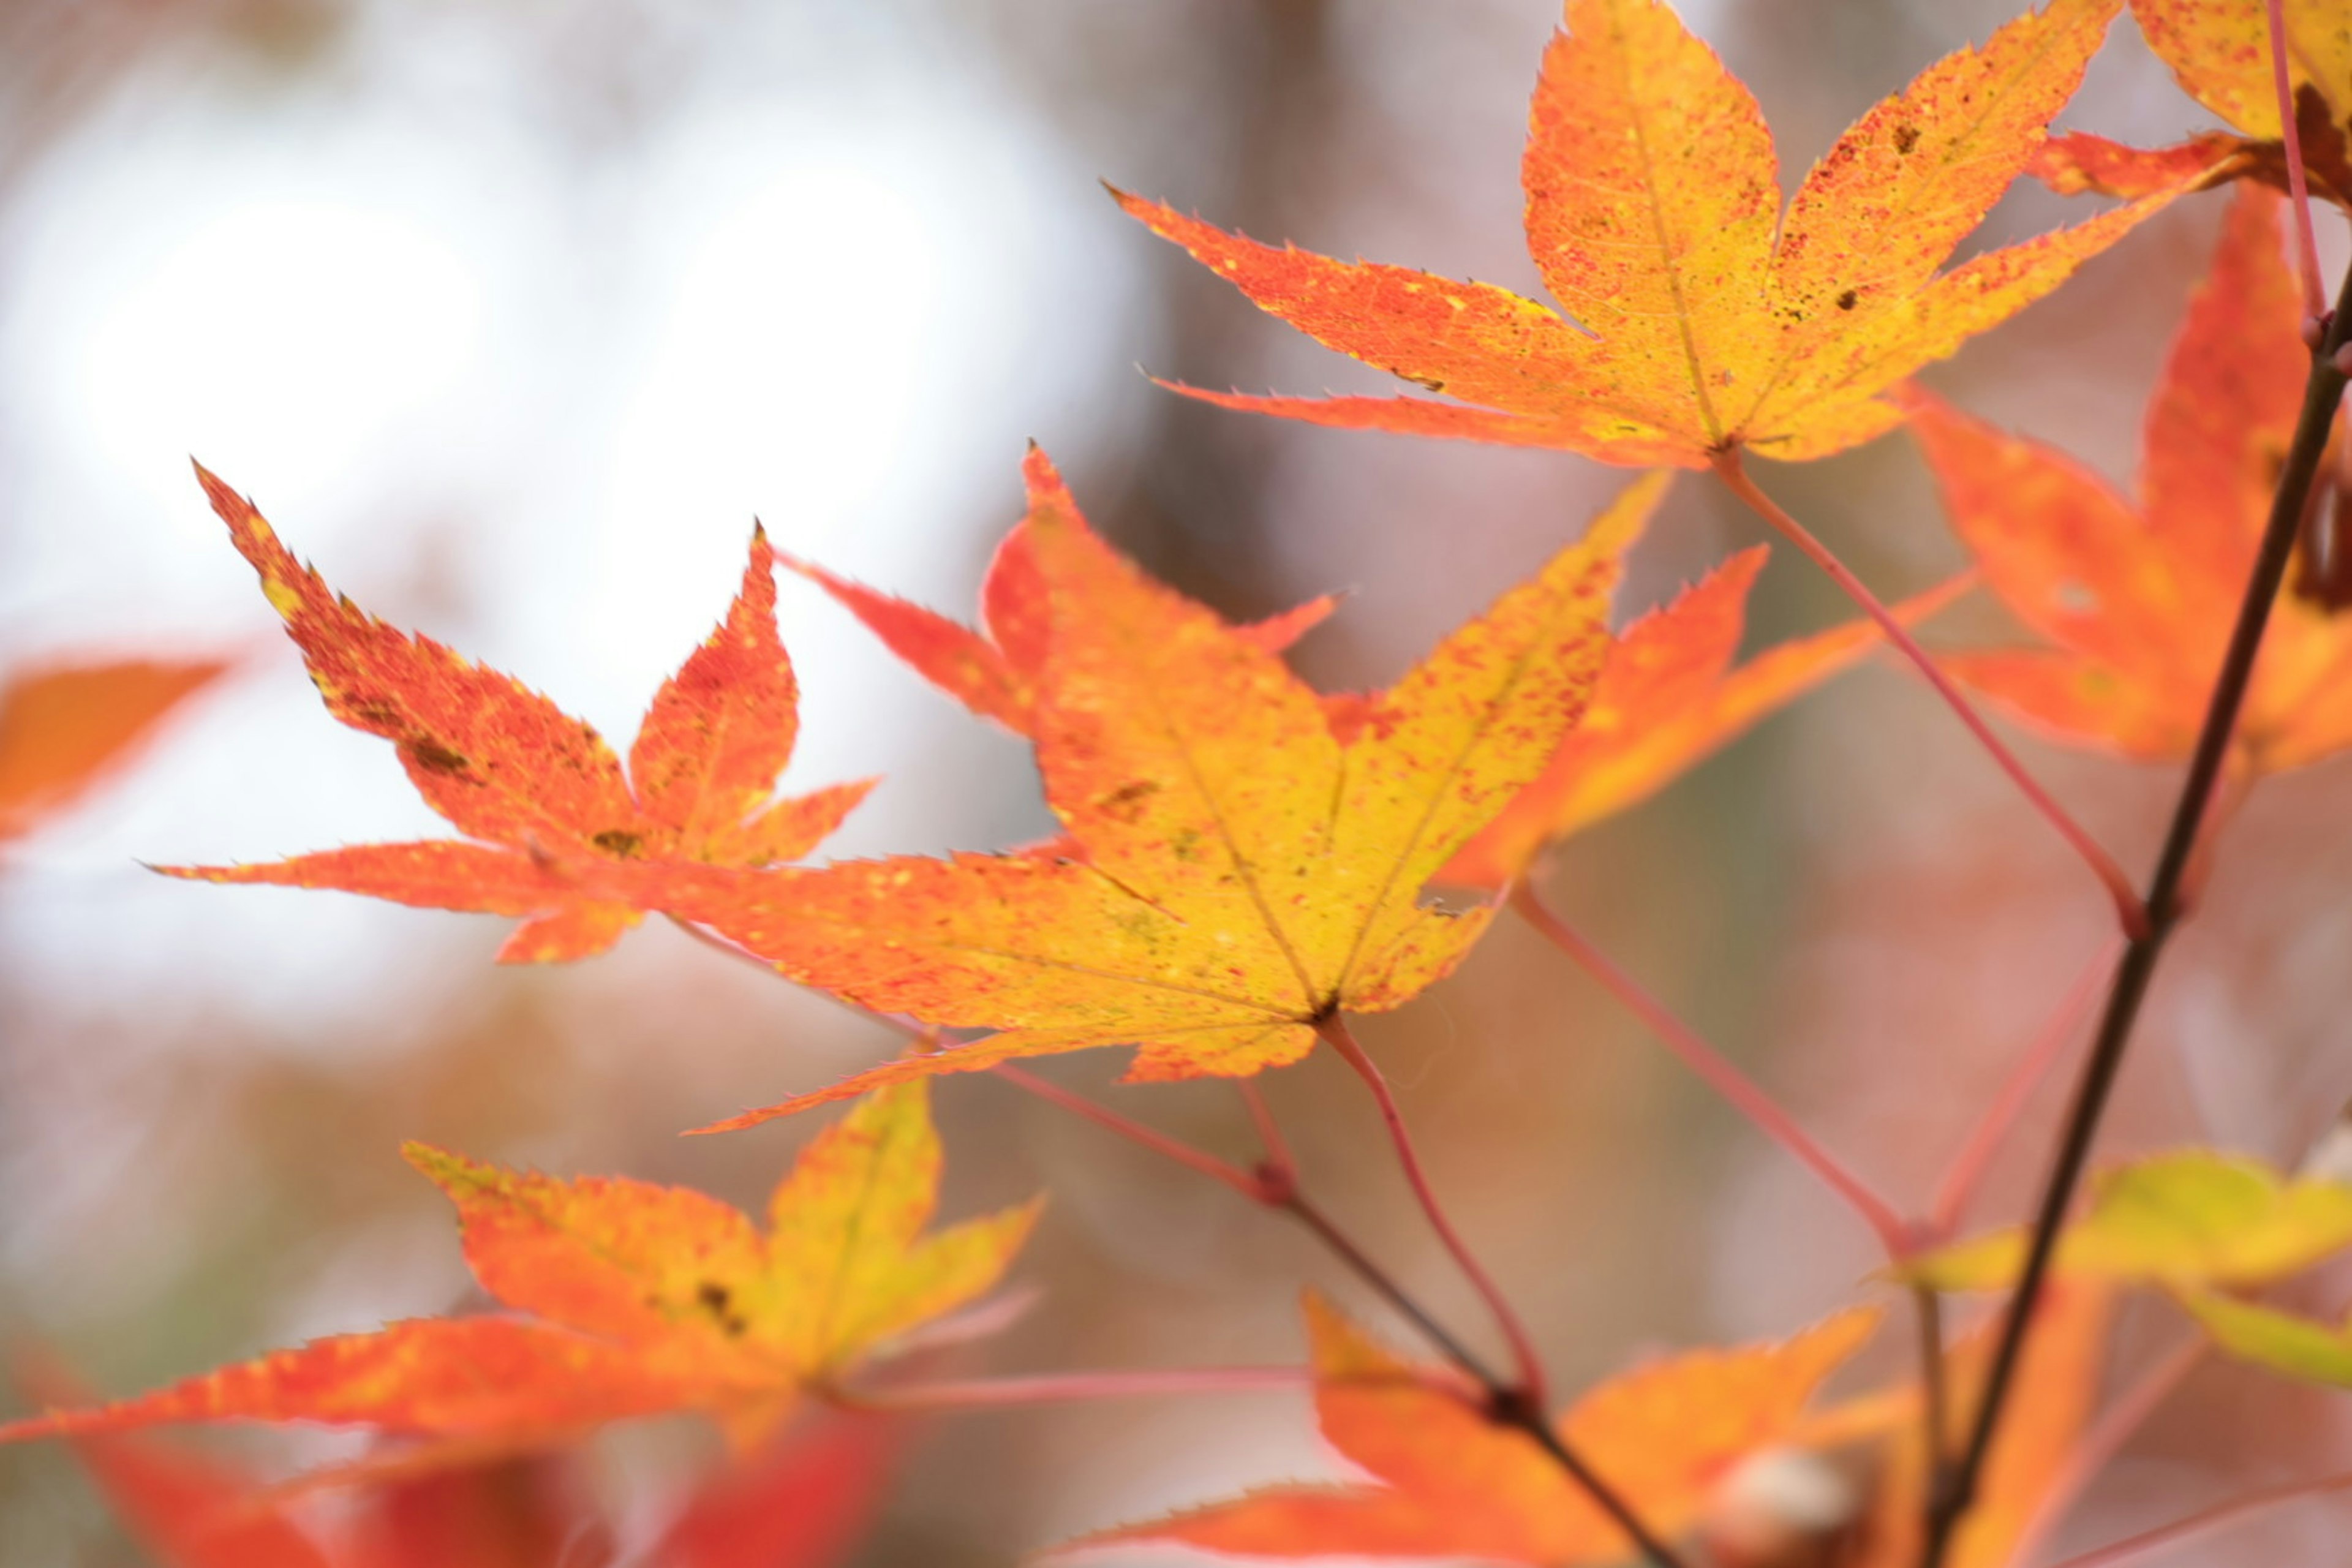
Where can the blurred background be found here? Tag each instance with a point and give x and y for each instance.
(513, 315)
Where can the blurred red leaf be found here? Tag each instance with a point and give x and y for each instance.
(64, 729)
(2138, 600)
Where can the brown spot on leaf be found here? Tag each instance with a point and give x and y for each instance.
(433, 756)
(1845, 301)
(375, 715)
(719, 1302)
(618, 842)
(1125, 803)
(1906, 138)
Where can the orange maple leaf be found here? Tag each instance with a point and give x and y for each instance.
(2139, 600)
(1238, 864)
(63, 729)
(2219, 51)
(1703, 319)
(632, 1299)
(542, 789)
(993, 668)
(1667, 697)
(1449, 1482)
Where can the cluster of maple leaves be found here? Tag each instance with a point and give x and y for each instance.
(1243, 861)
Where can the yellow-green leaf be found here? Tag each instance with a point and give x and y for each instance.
(2292, 1346)
(2191, 1217)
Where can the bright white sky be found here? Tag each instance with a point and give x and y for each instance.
(531, 404)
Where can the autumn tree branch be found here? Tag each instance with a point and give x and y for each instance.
(1276, 1186)
(1336, 1034)
(2323, 390)
(1742, 1092)
(2129, 910)
(1243, 1181)
(1520, 1405)
(2298, 185)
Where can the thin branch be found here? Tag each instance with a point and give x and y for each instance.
(1334, 1033)
(1744, 1094)
(2198, 1524)
(720, 944)
(1061, 1388)
(2129, 908)
(2306, 247)
(1275, 1187)
(1134, 1131)
(1280, 1189)
(897, 1022)
(1935, 1406)
(1279, 1168)
(1974, 1157)
(2322, 391)
(1522, 1405)
(1344, 1246)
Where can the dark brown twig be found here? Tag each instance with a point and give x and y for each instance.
(2323, 389)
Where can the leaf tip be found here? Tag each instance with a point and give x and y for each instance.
(452, 1172)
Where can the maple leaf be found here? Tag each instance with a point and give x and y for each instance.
(2194, 1217)
(2219, 51)
(542, 790)
(1704, 320)
(2285, 1343)
(993, 669)
(1238, 863)
(1667, 698)
(2139, 600)
(64, 728)
(1449, 1482)
(632, 1299)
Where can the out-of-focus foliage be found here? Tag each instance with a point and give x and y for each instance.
(63, 729)
(632, 1299)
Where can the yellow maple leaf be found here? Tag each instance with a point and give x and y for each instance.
(628, 1299)
(1242, 860)
(1700, 319)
